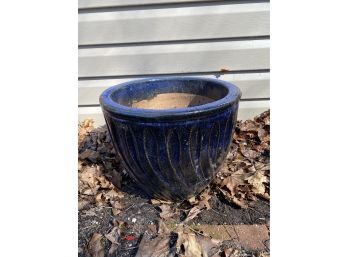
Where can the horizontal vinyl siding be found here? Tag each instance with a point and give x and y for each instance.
(186, 23)
(177, 58)
(224, 39)
(122, 3)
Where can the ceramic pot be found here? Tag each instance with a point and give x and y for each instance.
(173, 133)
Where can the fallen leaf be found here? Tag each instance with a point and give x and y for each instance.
(113, 249)
(114, 194)
(113, 236)
(249, 153)
(196, 245)
(152, 228)
(117, 206)
(231, 184)
(158, 202)
(263, 135)
(104, 183)
(193, 213)
(248, 126)
(95, 246)
(264, 254)
(192, 200)
(204, 200)
(209, 246)
(83, 129)
(157, 247)
(232, 252)
(100, 199)
(162, 228)
(90, 155)
(257, 181)
(167, 212)
(241, 203)
(88, 183)
(82, 204)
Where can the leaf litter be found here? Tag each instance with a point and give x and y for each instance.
(102, 187)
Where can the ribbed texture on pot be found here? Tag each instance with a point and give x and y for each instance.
(173, 160)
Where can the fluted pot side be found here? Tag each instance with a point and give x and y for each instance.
(176, 159)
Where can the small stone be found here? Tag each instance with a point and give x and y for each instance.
(134, 220)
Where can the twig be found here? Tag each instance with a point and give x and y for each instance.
(217, 212)
(228, 232)
(255, 210)
(194, 230)
(249, 215)
(129, 207)
(235, 231)
(129, 248)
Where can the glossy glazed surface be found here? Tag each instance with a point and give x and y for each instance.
(172, 153)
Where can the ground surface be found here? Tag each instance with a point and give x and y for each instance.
(230, 218)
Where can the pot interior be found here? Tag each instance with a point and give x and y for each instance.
(168, 94)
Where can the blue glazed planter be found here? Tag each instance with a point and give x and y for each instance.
(172, 153)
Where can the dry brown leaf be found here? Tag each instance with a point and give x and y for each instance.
(167, 212)
(248, 126)
(113, 194)
(82, 204)
(257, 181)
(193, 213)
(263, 118)
(117, 206)
(189, 242)
(84, 128)
(249, 153)
(231, 184)
(113, 249)
(231, 252)
(196, 245)
(192, 200)
(157, 247)
(95, 245)
(104, 183)
(113, 236)
(209, 246)
(263, 135)
(162, 228)
(204, 200)
(241, 203)
(100, 199)
(88, 183)
(80, 166)
(90, 155)
(159, 202)
(264, 254)
(152, 228)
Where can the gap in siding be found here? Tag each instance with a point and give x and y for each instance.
(213, 73)
(164, 6)
(175, 42)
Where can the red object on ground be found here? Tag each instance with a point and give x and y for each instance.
(130, 238)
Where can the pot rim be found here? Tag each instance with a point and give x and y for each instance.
(108, 104)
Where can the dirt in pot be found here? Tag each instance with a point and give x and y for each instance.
(172, 101)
